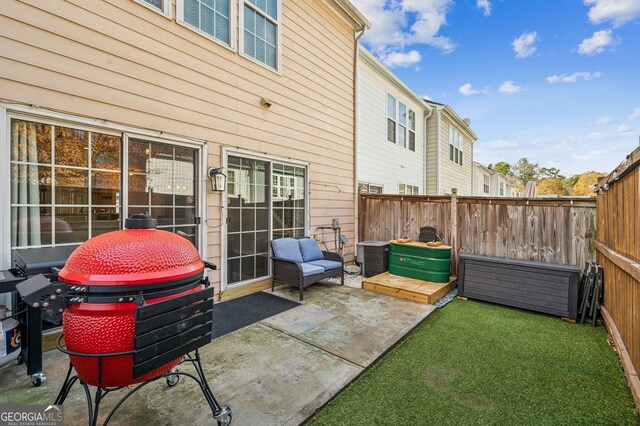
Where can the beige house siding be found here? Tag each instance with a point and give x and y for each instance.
(453, 175)
(118, 61)
(432, 150)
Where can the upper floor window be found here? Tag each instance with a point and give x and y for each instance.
(455, 146)
(160, 6)
(486, 184)
(501, 186)
(409, 189)
(209, 17)
(401, 124)
(260, 39)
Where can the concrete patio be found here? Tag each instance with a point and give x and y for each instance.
(278, 371)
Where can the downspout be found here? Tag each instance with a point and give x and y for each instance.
(358, 36)
(438, 153)
(424, 155)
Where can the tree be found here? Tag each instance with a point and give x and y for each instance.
(502, 167)
(524, 171)
(551, 186)
(550, 172)
(585, 180)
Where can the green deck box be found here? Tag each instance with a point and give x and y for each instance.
(419, 261)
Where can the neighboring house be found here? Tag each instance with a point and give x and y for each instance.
(390, 134)
(114, 107)
(490, 183)
(482, 177)
(449, 152)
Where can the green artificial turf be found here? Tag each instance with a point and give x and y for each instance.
(477, 363)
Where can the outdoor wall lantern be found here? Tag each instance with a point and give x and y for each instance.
(218, 179)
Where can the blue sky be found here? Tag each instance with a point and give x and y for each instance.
(557, 81)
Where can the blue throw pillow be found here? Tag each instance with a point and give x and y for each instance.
(310, 250)
(286, 248)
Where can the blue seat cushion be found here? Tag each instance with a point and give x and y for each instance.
(308, 269)
(287, 248)
(310, 250)
(326, 264)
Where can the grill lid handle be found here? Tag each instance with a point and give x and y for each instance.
(140, 221)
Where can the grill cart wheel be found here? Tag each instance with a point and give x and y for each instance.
(173, 379)
(224, 417)
(38, 379)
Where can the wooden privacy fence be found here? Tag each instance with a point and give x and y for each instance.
(618, 246)
(548, 230)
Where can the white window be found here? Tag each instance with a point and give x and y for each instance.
(486, 184)
(409, 189)
(401, 124)
(455, 146)
(369, 188)
(210, 18)
(260, 38)
(161, 6)
(501, 186)
(391, 118)
(412, 130)
(67, 183)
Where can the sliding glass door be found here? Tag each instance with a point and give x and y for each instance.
(265, 200)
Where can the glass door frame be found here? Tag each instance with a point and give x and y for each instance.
(242, 153)
(200, 166)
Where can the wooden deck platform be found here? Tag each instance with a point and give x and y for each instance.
(408, 288)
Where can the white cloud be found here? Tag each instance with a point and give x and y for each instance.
(618, 12)
(572, 78)
(596, 136)
(510, 88)
(468, 90)
(485, 6)
(604, 120)
(500, 144)
(596, 43)
(635, 115)
(401, 59)
(589, 155)
(398, 24)
(623, 129)
(525, 45)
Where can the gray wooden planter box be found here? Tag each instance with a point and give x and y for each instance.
(537, 286)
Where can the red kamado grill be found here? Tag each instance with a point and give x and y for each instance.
(112, 271)
(134, 304)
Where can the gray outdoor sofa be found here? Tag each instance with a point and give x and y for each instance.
(301, 262)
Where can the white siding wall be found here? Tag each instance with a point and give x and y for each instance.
(478, 181)
(495, 190)
(432, 151)
(381, 162)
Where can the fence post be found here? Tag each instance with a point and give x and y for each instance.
(454, 231)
